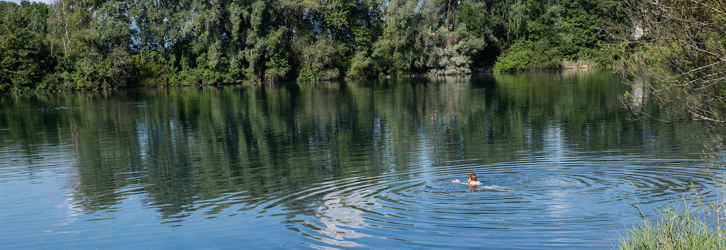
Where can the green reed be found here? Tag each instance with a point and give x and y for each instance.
(674, 228)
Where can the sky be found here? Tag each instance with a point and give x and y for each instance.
(18, 1)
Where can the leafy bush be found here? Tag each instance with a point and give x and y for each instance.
(454, 51)
(305, 76)
(527, 55)
(515, 59)
(318, 61)
(24, 55)
(361, 66)
(153, 69)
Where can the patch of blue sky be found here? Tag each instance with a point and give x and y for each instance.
(41, 1)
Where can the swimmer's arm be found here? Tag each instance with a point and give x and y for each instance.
(458, 181)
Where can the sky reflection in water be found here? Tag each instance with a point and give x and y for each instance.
(356, 164)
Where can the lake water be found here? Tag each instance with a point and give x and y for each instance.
(340, 165)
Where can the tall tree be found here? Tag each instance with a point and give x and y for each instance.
(95, 37)
(24, 59)
(678, 55)
(407, 44)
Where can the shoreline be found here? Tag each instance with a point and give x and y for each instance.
(346, 79)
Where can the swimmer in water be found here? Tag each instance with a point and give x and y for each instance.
(472, 181)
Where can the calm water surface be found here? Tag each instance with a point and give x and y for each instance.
(339, 165)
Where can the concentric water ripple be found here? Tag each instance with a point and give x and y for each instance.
(332, 166)
(548, 204)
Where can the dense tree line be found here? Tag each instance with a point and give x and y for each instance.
(86, 44)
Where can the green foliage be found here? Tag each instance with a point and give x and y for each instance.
(675, 54)
(525, 55)
(362, 66)
(95, 38)
(24, 59)
(318, 61)
(405, 46)
(305, 76)
(276, 63)
(154, 69)
(681, 57)
(454, 51)
(112, 44)
(338, 17)
(674, 228)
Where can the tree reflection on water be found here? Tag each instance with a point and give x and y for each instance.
(257, 146)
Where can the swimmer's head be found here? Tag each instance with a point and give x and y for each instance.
(472, 177)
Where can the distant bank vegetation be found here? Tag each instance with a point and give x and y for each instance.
(84, 44)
